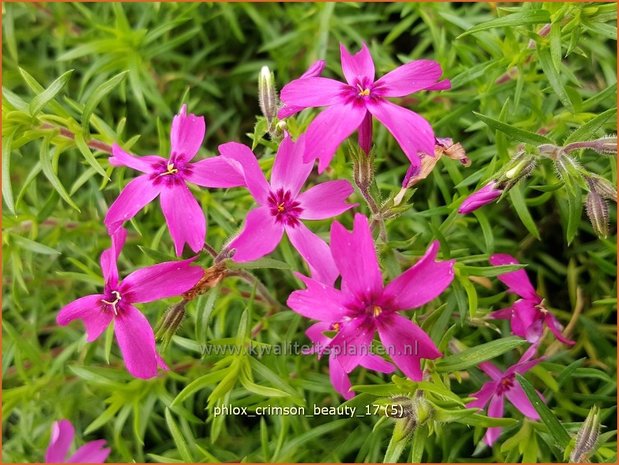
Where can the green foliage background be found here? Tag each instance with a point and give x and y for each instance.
(135, 64)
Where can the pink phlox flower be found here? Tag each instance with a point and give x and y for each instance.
(133, 332)
(60, 443)
(528, 315)
(282, 207)
(364, 305)
(168, 179)
(314, 70)
(504, 385)
(352, 105)
(478, 199)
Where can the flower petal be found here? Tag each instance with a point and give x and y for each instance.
(135, 196)
(519, 399)
(318, 301)
(259, 237)
(482, 396)
(144, 164)
(90, 311)
(186, 135)
(355, 257)
(314, 92)
(406, 343)
(413, 133)
(376, 363)
(91, 452)
(243, 159)
(214, 172)
(60, 441)
(495, 410)
(491, 370)
(315, 333)
(326, 200)
(315, 252)
(409, 78)
(555, 328)
(109, 257)
(339, 378)
(184, 217)
(526, 320)
(422, 282)
(137, 342)
(325, 134)
(167, 279)
(313, 71)
(357, 68)
(352, 343)
(289, 170)
(517, 281)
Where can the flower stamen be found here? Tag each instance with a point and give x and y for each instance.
(115, 302)
(377, 310)
(170, 170)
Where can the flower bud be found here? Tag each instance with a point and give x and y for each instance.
(170, 322)
(587, 437)
(363, 168)
(478, 199)
(603, 187)
(606, 145)
(597, 211)
(267, 94)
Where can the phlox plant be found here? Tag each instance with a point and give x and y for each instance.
(309, 232)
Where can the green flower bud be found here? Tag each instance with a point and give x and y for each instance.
(267, 94)
(597, 211)
(587, 437)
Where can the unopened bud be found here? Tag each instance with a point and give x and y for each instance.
(363, 168)
(587, 437)
(597, 211)
(605, 145)
(267, 94)
(170, 322)
(603, 187)
(517, 169)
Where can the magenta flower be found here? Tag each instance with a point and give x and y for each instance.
(527, 315)
(480, 198)
(133, 332)
(352, 105)
(364, 305)
(337, 373)
(168, 179)
(504, 385)
(313, 71)
(60, 442)
(281, 206)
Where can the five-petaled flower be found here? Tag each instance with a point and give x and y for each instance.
(133, 332)
(60, 443)
(282, 206)
(364, 305)
(527, 315)
(352, 105)
(168, 178)
(504, 385)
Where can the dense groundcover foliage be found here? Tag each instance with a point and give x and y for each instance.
(499, 193)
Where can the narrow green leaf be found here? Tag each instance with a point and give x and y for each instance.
(97, 95)
(517, 197)
(515, 133)
(515, 19)
(48, 94)
(48, 171)
(7, 190)
(553, 75)
(179, 439)
(81, 144)
(475, 355)
(587, 130)
(33, 246)
(555, 428)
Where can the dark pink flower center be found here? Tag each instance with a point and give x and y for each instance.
(505, 384)
(112, 301)
(284, 207)
(369, 309)
(363, 89)
(170, 172)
